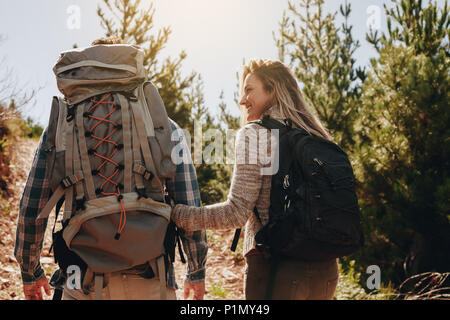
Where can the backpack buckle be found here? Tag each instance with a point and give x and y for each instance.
(140, 169)
(70, 113)
(288, 122)
(286, 183)
(141, 193)
(71, 180)
(148, 175)
(80, 203)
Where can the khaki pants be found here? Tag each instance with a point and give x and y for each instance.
(294, 280)
(124, 287)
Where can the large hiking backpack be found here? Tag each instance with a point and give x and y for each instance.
(314, 213)
(108, 154)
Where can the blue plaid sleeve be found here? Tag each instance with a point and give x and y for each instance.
(30, 232)
(186, 191)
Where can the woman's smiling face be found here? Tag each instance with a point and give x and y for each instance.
(255, 98)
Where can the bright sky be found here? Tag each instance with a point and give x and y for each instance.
(216, 35)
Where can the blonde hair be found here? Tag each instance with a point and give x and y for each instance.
(287, 97)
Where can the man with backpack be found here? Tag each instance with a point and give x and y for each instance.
(106, 153)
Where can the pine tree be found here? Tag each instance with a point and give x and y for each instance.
(216, 152)
(404, 143)
(321, 57)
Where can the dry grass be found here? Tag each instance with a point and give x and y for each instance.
(426, 286)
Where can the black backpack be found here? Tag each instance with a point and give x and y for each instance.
(314, 213)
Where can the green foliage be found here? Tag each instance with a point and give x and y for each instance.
(392, 120)
(351, 287)
(24, 128)
(209, 140)
(413, 26)
(216, 290)
(403, 150)
(34, 131)
(7, 209)
(321, 58)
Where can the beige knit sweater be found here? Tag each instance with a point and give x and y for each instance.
(250, 186)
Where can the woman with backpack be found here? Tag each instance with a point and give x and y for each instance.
(268, 88)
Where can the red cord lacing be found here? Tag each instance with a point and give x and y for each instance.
(123, 216)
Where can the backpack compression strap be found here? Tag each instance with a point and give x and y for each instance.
(66, 186)
(144, 129)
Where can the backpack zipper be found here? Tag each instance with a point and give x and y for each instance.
(322, 169)
(318, 161)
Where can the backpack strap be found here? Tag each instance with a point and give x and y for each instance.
(270, 124)
(274, 259)
(94, 63)
(69, 164)
(101, 280)
(235, 241)
(159, 269)
(237, 232)
(133, 158)
(59, 192)
(98, 286)
(128, 148)
(143, 129)
(162, 277)
(65, 188)
(85, 164)
(52, 127)
(148, 123)
(80, 197)
(137, 161)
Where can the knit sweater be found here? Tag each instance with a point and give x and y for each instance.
(250, 187)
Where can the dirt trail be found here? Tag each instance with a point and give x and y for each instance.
(224, 275)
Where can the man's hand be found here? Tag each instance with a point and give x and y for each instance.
(198, 288)
(34, 291)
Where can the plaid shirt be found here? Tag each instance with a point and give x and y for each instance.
(30, 231)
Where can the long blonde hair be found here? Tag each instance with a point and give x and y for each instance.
(279, 81)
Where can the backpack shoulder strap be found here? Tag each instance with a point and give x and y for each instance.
(271, 124)
(52, 125)
(74, 176)
(161, 143)
(144, 128)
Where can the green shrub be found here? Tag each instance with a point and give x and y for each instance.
(216, 290)
(349, 287)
